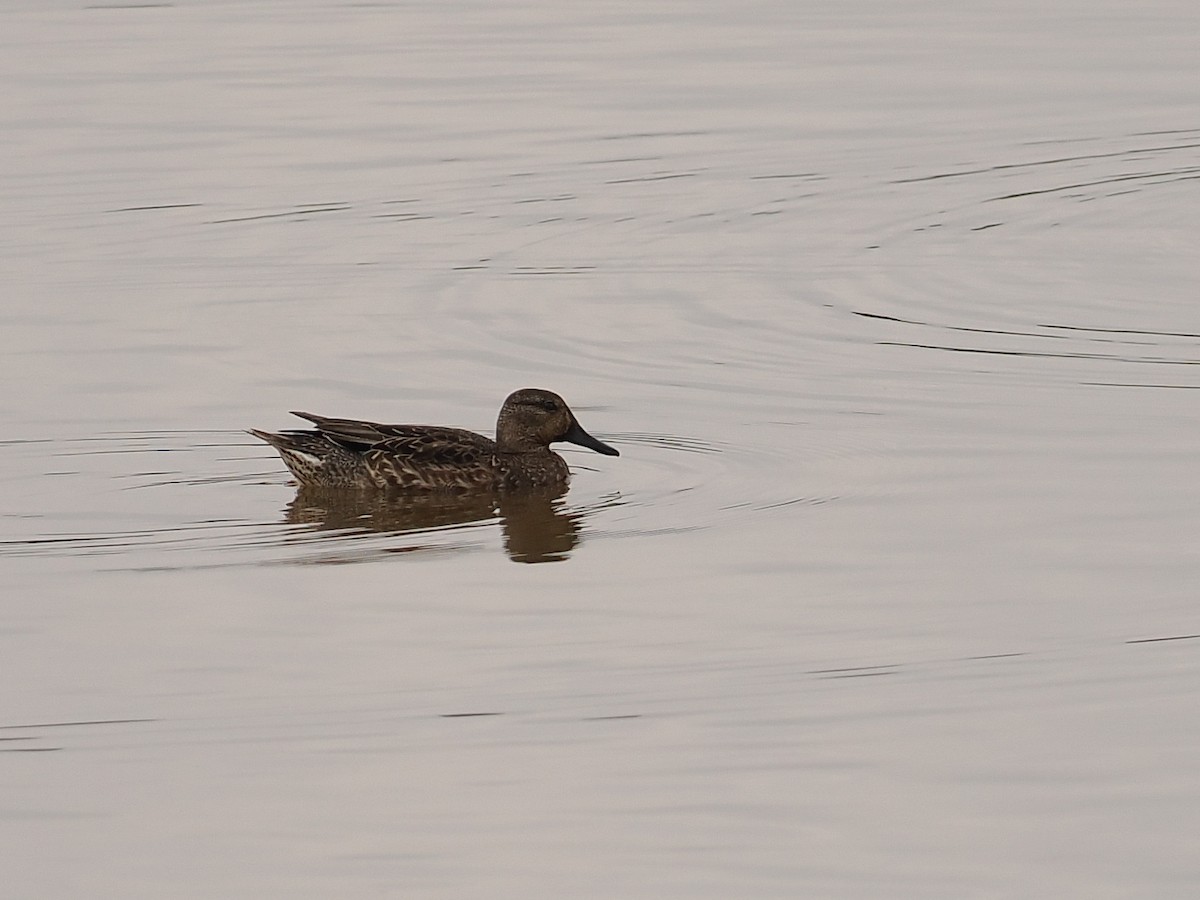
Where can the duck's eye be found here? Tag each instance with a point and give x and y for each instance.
(542, 403)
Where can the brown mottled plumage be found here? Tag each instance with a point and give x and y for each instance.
(346, 453)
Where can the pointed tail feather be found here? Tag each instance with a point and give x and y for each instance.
(272, 439)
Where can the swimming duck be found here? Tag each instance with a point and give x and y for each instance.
(345, 453)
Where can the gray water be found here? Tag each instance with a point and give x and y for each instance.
(889, 307)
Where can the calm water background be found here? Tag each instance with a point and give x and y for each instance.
(891, 309)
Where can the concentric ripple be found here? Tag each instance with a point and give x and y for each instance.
(753, 330)
(1076, 255)
(164, 500)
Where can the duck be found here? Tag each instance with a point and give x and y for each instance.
(352, 454)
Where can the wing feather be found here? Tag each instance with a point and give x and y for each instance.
(425, 444)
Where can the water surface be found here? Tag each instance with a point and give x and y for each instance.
(889, 309)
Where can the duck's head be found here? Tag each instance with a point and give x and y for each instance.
(531, 419)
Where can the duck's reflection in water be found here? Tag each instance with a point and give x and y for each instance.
(537, 526)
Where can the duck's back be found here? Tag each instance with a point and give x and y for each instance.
(429, 457)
